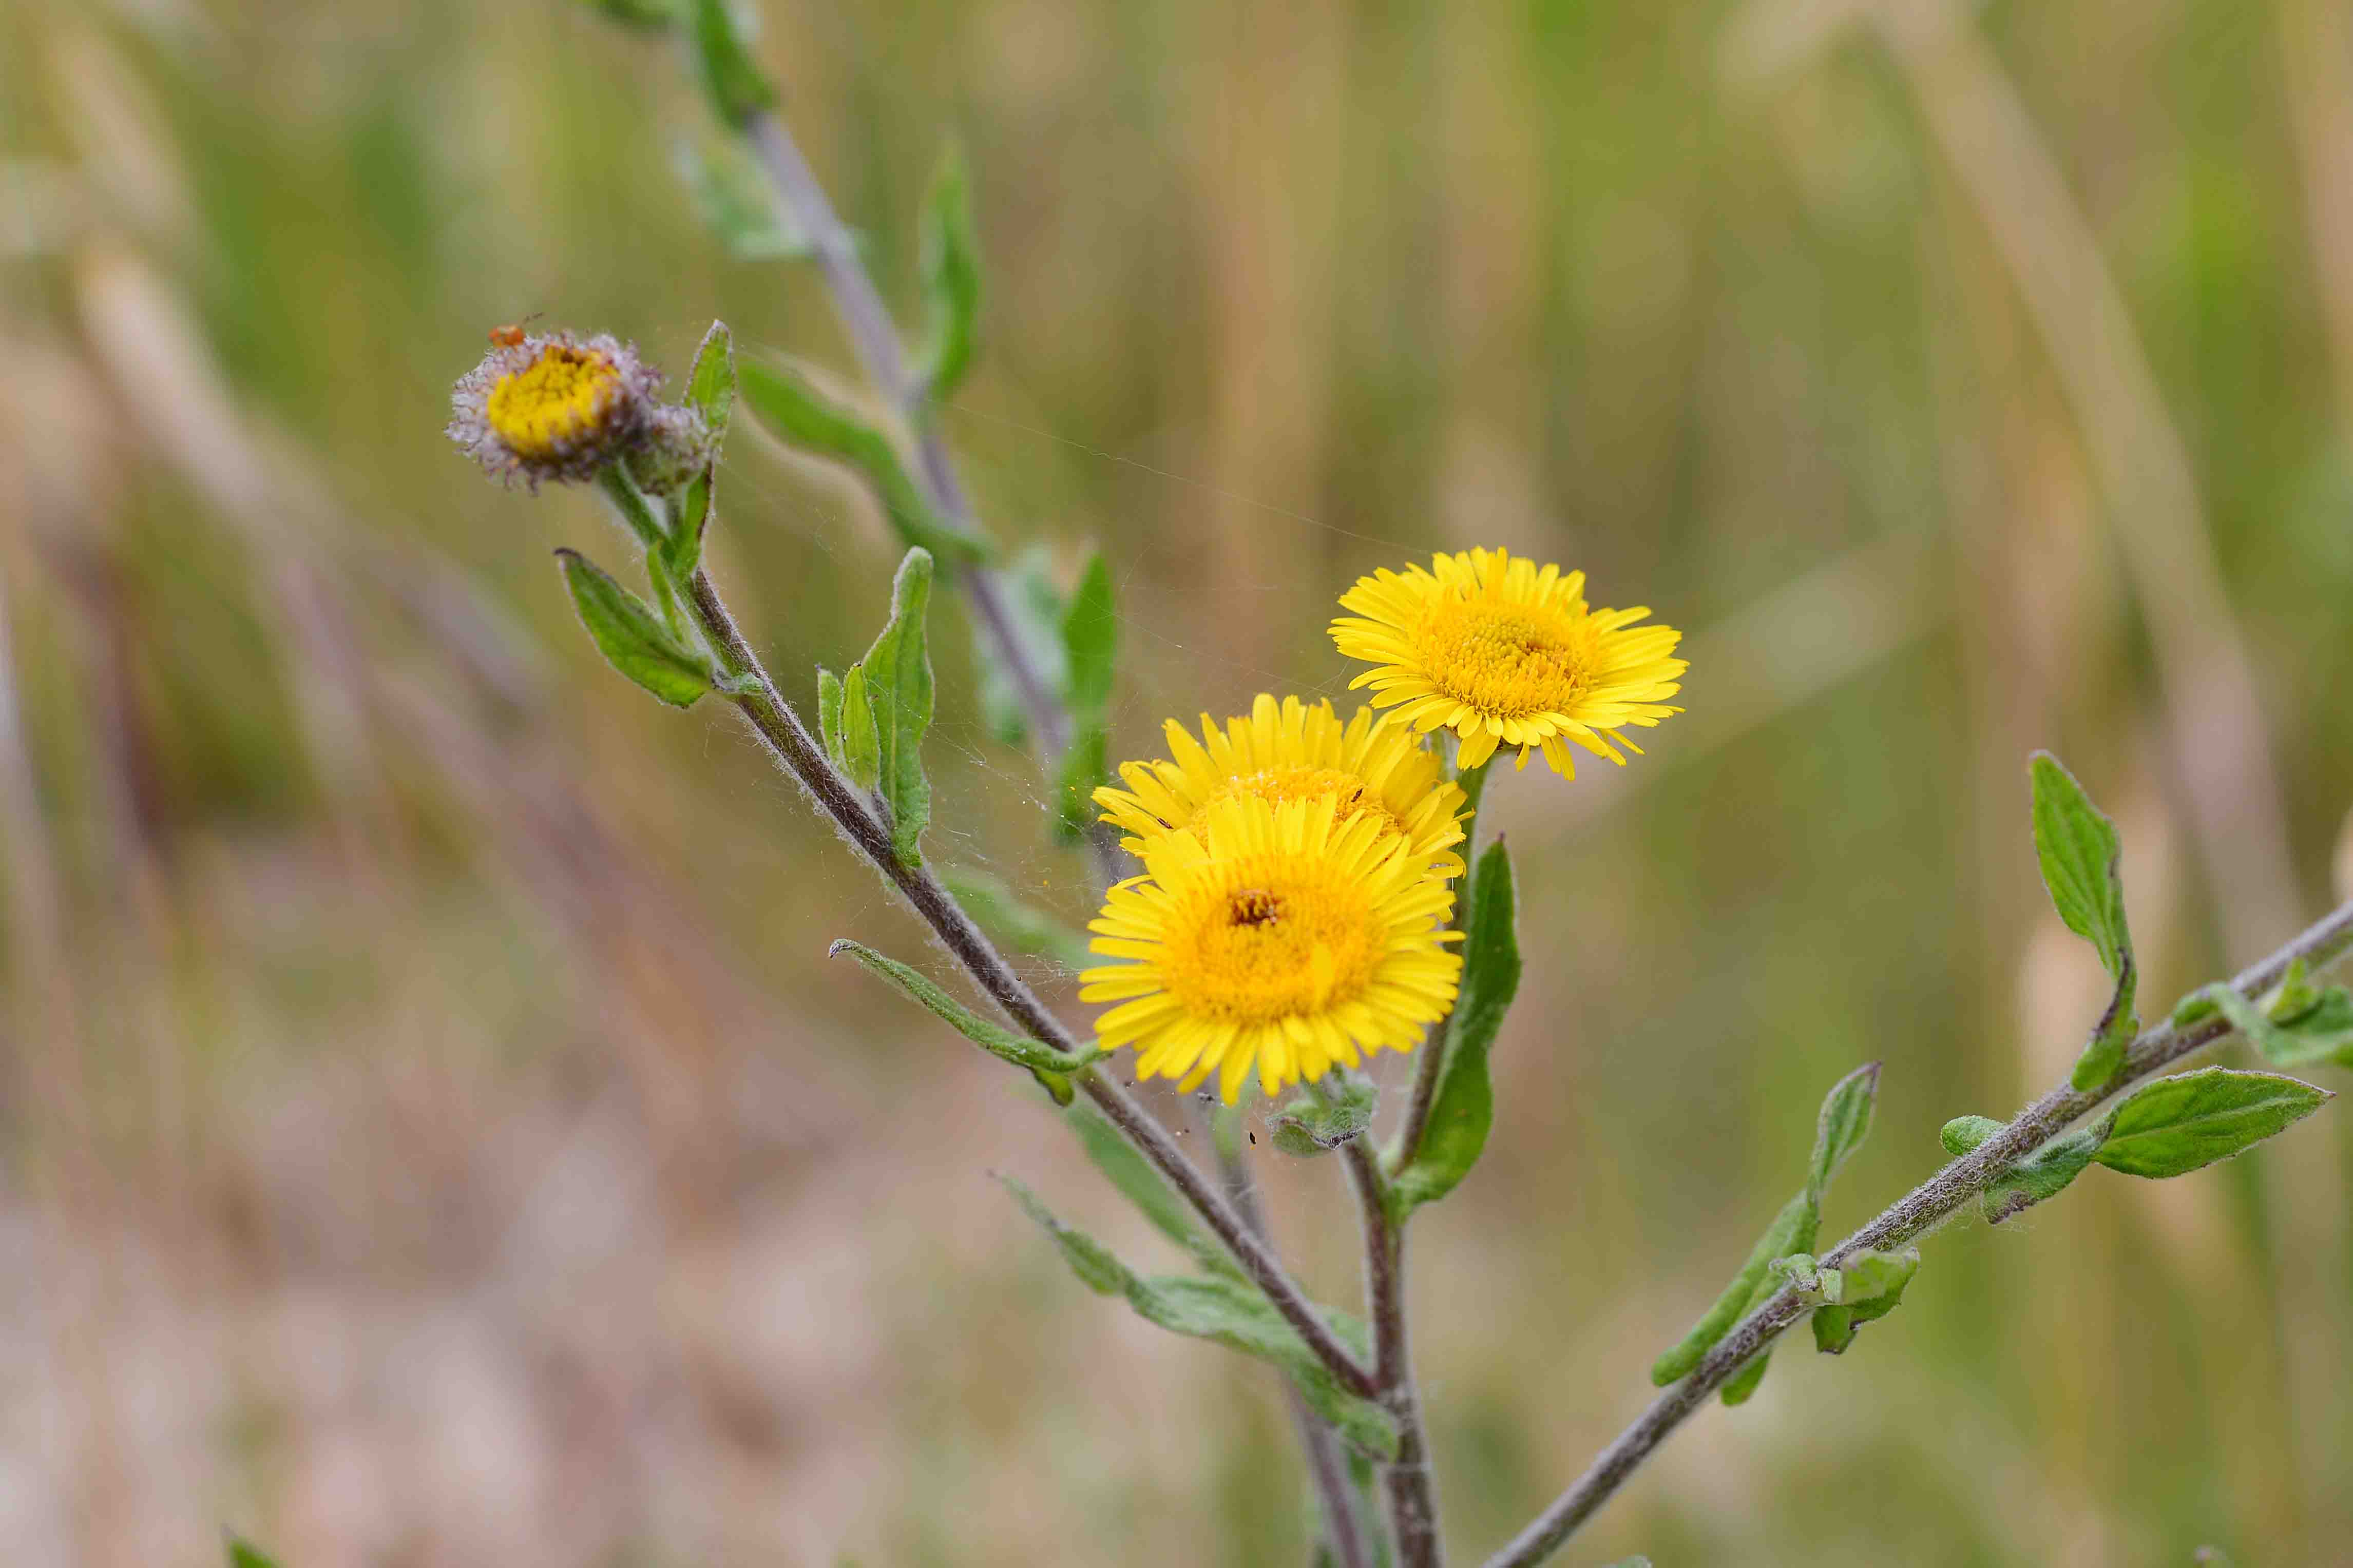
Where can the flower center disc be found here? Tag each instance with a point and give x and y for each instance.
(1259, 941)
(1511, 660)
(559, 396)
(1349, 795)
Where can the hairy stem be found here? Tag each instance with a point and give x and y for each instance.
(867, 320)
(1411, 1488)
(789, 743)
(1433, 1051)
(1918, 1212)
(1327, 1466)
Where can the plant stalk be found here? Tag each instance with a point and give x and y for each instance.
(872, 334)
(1327, 1466)
(1921, 1210)
(1433, 1051)
(789, 743)
(1407, 1479)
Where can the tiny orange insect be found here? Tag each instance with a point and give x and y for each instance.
(511, 336)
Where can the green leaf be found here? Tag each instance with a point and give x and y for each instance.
(1021, 927)
(898, 683)
(1792, 1230)
(1963, 1134)
(2042, 1175)
(1844, 1123)
(1034, 609)
(862, 742)
(951, 276)
(631, 635)
(801, 415)
(1312, 1125)
(1227, 1312)
(711, 384)
(828, 715)
(1463, 1107)
(2179, 1124)
(2082, 861)
(1872, 1285)
(1136, 1180)
(243, 1553)
(734, 200)
(722, 53)
(1090, 637)
(652, 15)
(997, 1040)
(2319, 1028)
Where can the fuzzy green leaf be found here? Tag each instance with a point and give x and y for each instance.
(1791, 1231)
(631, 635)
(1227, 1312)
(898, 683)
(723, 55)
(951, 276)
(711, 384)
(1034, 609)
(2042, 1175)
(1844, 1123)
(734, 202)
(798, 414)
(829, 714)
(243, 1553)
(1963, 1134)
(2082, 861)
(996, 1040)
(1462, 1111)
(2300, 1028)
(652, 15)
(862, 741)
(2179, 1124)
(1310, 1125)
(1871, 1286)
(1090, 639)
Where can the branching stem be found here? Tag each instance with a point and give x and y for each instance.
(770, 717)
(866, 321)
(1411, 1488)
(1918, 1212)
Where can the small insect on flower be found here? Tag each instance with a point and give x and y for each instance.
(552, 407)
(1506, 655)
(511, 336)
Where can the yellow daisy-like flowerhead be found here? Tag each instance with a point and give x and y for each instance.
(1282, 937)
(555, 407)
(1296, 751)
(1506, 655)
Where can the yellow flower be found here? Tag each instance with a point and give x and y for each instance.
(1505, 655)
(1295, 750)
(553, 408)
(1280, 935)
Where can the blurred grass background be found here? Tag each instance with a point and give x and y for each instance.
(431, 1135)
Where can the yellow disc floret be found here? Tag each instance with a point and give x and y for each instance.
(1506, 655)
(558, 407)
(561, 398)
(1281, 936)
(1296, 751)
